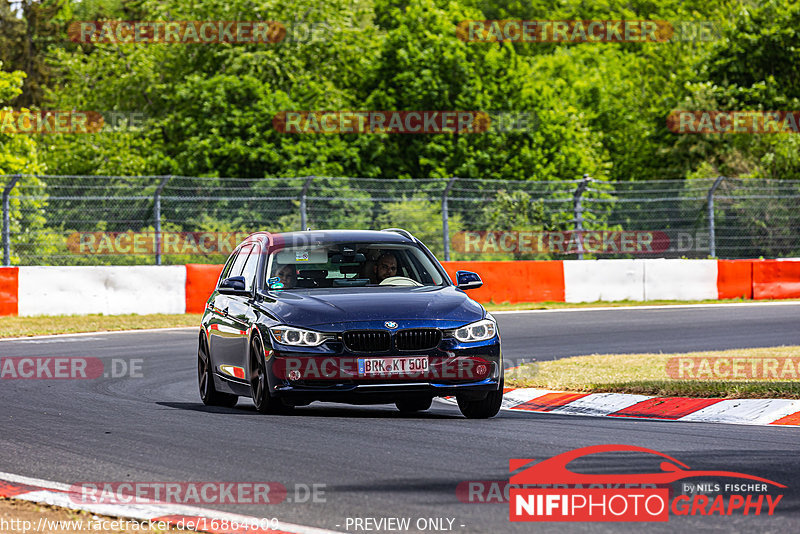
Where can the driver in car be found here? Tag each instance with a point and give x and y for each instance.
(385, 267)
(288, 275)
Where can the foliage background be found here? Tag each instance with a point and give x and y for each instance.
(601, 108)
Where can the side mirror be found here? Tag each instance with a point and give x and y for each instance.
(468, 280)
(233, 286)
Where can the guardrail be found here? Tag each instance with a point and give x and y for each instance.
(28, 291)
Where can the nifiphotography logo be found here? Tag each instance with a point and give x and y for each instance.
(549, 491)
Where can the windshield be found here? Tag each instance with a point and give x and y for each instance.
(351, 265)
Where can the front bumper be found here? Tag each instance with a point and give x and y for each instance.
(470, 370)
(383, 393)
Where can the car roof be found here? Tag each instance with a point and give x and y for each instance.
(321, 237)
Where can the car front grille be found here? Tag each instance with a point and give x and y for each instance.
(367, 340)
(418, 338)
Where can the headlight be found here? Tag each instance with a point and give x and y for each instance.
(477, 331)
(298, 337)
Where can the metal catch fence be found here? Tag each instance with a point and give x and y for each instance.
(118, 220)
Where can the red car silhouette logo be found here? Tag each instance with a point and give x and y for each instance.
(554, 470)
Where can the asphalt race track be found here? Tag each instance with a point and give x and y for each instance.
(553, 335)
(374, 462)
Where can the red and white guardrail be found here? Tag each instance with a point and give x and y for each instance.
(28, 291)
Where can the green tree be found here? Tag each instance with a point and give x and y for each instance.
(517, 211)
(26, 35)
(421, 217)
(19, 155)
(424, 66)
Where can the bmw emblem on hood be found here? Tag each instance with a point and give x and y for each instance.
(390, 324)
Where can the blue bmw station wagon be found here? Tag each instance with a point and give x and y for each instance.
(360, 317)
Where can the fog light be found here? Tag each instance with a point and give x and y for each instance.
(482, 370)
(294, 374)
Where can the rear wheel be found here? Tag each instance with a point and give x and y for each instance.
(205, 379)
(259, 385)
(414, 405)
(481, 409)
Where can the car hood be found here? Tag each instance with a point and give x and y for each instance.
(319, 307)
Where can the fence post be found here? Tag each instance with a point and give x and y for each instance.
(7, 220)
(577, 208)
(712, 245)
(157, 215)
(303, 215)
(446, 219)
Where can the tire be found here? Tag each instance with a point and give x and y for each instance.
(482, 409)
(205, 381)
(259, 385)
(414, 405)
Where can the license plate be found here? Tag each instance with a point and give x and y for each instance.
(412, 365)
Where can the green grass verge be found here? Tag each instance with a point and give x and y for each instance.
(646, 374)
(505, 306)
(68, 324)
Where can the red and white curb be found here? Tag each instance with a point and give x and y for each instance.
(57, 494)
(732, 411)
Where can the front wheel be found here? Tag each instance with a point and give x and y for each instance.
(481, 409)
(259, 385)
(205, 380)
